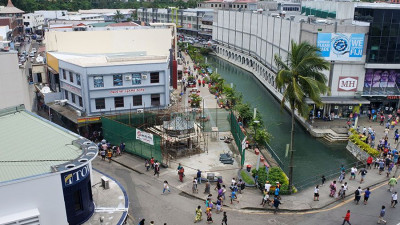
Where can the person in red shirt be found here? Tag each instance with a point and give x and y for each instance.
(369, 162)
(347, 218)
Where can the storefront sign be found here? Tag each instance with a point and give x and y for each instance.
(341, 46)
(133, 90)
(71, 88)
(144, 137)
(75, 176)
(393, 97)
(348, 83)
(88, 119)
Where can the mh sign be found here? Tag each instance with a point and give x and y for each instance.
(348, 83)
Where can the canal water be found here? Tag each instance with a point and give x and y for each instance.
(313, 157)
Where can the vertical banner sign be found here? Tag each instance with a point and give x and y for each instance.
(144, 137)
(341, 46)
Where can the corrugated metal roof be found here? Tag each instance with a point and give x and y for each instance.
(30, 146)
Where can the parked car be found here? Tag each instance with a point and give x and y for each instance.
(32, 54)
(34, 50)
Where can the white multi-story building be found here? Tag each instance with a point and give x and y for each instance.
(32, 21)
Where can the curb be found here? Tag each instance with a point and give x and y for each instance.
(124, 165)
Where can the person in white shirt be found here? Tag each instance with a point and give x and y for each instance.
(166, 187)
(316, 193)
(353, 172)
(233, 181)
(394, 200)
(267, 186)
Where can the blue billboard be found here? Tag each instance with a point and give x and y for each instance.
(341, 46)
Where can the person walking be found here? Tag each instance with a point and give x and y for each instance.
(363, 172)
(382, 214)
(152, 162)
(233, 197)
(392, 183)
(394, 200)
(224, 219)
(323, 179)
(316, 193)
(276, 204)
(381, 166)
(341, 176)
(181, 172)
(369, 162)
(353, 172)
(142, 222)
(103, 155)
(166, 187)
(207, 188)
(109, 155)
(147, 165)
(198, 214)
(157, 169)
(265, 198)
(357, 195)
(347, 218)
(194, 187)
(345, 188)
(219, 205)
(332, 188)
(198, 175)
(367, 193)
(209, 216)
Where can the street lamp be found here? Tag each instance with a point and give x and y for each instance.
(256, 122)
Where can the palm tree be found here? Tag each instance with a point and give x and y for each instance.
(118, 16)
(301, 76)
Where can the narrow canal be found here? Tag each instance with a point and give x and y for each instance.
(312, 156)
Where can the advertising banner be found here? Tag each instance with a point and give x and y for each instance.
(382, 79)
(348, 84)
(341, 46)
(144, 137)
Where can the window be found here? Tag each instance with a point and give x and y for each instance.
(155, 77)
(66, 94)
(71, 77)
(136, 78)
(78, 201)
(117, 80)
(137, 100)
(100, 103)
(78, 79)
(64, 74)
(119, 102)
(80, 101)
(73, 97)
(155, 99)
(98, 81)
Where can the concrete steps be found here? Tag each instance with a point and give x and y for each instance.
(334, 137)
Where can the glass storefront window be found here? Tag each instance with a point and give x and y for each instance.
(117, 80)
(136, 78)
(98, 81)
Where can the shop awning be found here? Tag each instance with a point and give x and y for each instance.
(340, 101)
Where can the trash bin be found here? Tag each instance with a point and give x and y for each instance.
(248, 168)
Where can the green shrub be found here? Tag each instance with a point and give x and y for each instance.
(246, 178)
(357, 140)
(275, 174)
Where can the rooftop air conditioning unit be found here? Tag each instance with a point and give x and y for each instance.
(139, 110)
(144, 76)
(57, 102)
(128, 77)
(105, 183)
(63, 102)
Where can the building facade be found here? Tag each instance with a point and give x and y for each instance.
(12, 17)
(55, 186)
(32, 21)
(110, 89)
(251, 40)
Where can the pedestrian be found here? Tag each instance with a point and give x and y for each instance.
(392, 183)
(241, 186)
(142, 222)
(265, 198)
(194, 187)
(152, 162)
(363, 172)
(223, 191)
(332, 189)
(369, 161)
(390, 168)
(347, 218)
(224, 219)
(267, 186)
(323, 179)
(109, 155)
(166, 187)
(209, 216)
(357, 195)
(276, 204)
(181, 172)
(198, 214)
(147, 164)
(198, 176)
(122, 147)
(382, 214)
(381, 166)
(353, 172)
(341, 176)
(157, 168)
(207, 188)
(219, 204)
(316, 193)
(345, 188)
(277, 190)
(151, 222)
(341, 192)
(103, 155)
(233, 197)
(394, 200)
(367, 193)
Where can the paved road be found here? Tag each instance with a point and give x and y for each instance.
(146, 201)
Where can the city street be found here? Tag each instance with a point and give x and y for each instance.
(146, 201)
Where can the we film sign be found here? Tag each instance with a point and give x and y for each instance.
(341, 46)
(348, 83)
